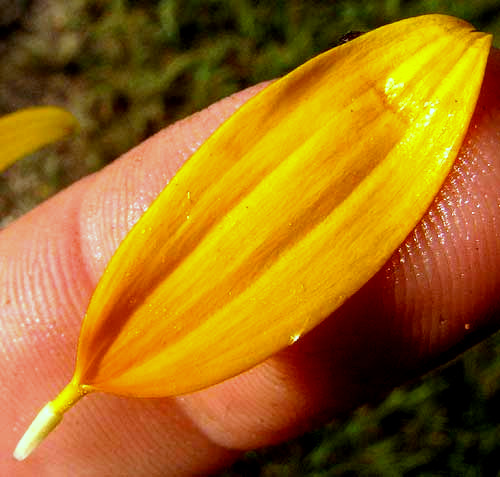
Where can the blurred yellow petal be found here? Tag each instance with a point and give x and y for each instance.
(27, 130)
(286, 211)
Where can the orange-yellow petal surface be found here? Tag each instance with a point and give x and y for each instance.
(27, 130)
(286, 211)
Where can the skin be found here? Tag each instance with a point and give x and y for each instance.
(435, 296)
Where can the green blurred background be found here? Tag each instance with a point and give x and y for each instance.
(128, 68)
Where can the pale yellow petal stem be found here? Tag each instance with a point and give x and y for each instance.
(48, 419)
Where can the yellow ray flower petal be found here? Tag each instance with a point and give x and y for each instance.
(27, 130)
(286, 211)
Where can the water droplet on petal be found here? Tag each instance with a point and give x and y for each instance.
(294, 338)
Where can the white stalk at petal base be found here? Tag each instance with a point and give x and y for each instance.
(48, 419)
(45, 422)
